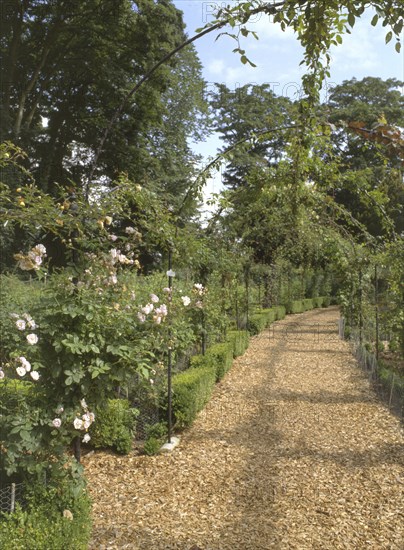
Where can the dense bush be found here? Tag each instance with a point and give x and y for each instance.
(280, 312)
(222, 358)
(238, 339)
(50, 520)
(192, 390)
(318, 301)
(256, 323)
(114, 426)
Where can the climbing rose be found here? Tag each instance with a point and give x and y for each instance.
(34, 375)
(2, 375)
(86, 438)
(186, 300)
(141, 317)
(21, 371)
(20, 324)
(154, 298)
(56, 422)
(26, 364)
(32, 339)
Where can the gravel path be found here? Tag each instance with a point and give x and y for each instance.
(294, 451)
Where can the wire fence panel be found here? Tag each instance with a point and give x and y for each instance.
(387, 384)
(10, 496)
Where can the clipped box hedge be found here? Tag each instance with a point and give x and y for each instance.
(238, 339)
(114, 426)
(264, 317)
(222, 358)
(192, 389)
(280, 312)
(318, 302)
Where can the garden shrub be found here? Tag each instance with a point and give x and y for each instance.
(114, 426)
(318, 301)
(238, 339)
(308, 304)
(256, 323)
(49, 521)
(295, 306)
(280, 312)
(192, 390)
(222, 355)
(155, 436)
(326, 301)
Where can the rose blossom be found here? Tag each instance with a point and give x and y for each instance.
(186, 300)
(20, 324)
(56, 422)
(154, 298)
(21, 371)
(32, 339)
(78, 423)
(35, 375)
(86, 438)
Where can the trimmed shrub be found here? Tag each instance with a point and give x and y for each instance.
(114, 426)
(256, 323)
(47, 522)
(238, 339)
(318, 301)
(222, 358)
(308, 304)
(280, 312)
(295, 306)
(192, 390)
(156, 435)
(326, 301)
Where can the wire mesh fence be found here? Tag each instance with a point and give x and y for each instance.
(387, 383)
(10, 495)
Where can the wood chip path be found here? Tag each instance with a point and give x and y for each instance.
(294, 451)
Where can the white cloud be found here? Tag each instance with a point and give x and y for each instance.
(216, 66)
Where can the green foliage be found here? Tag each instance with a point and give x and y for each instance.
(114, 426)
(152, 446)
(300, 306)
(238, 340)
(192, 390)
(319, 301)
(41, 525)
(222, 358)
(256, 323)
(155, 438)
(262, 319)
(280, 312)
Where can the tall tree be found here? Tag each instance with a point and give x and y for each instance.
(71, 63)
(242, 117)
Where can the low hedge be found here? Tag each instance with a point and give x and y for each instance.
(192, 389)
(114, 426)
(256, 323)
(280, 312)
(47, 522)
(238, 339)
(222, 358)
(264, 317)
(300, 306)
(318, 302)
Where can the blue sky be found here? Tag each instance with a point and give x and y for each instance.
(277, 55)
